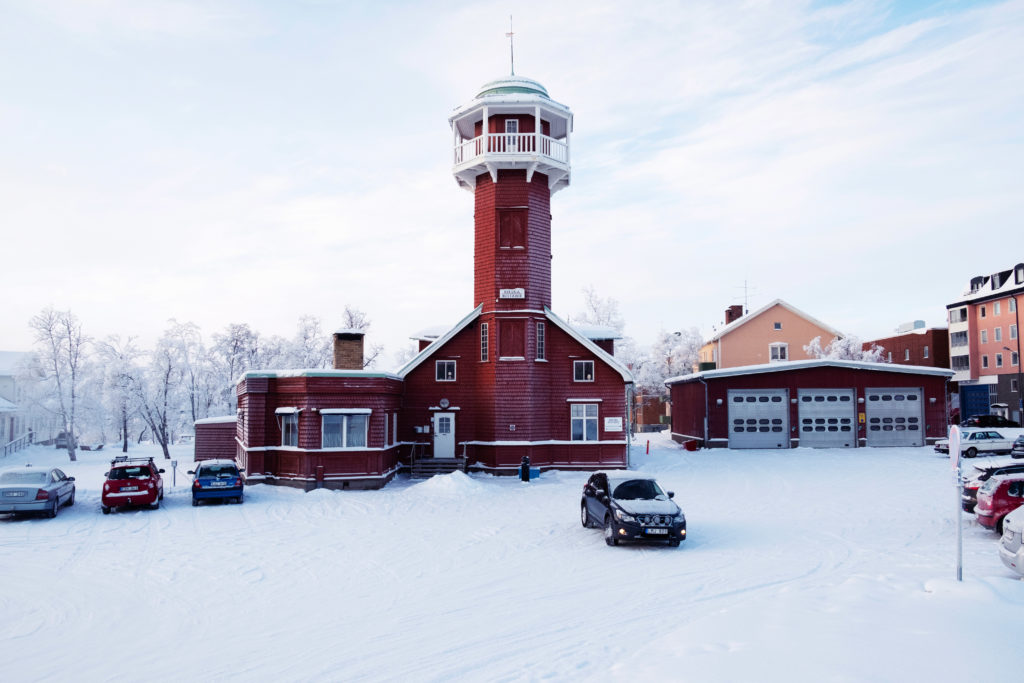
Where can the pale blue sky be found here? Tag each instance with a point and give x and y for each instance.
(252, 162)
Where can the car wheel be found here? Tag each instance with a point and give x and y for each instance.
(156, 504)
(241, 498)
(970, 452)
(105, 509)
(609, 532)
(52, 512)
(999, 526)
(584, 516)
(195, 502)
(674, 543)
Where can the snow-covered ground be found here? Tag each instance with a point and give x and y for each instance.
(802, 565)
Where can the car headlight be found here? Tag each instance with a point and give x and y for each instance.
(623, 517)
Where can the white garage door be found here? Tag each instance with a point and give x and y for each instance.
(827, 418)
(895, 417)
(758, 418)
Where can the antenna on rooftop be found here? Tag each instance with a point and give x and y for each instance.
(511, 48)
(747, 291)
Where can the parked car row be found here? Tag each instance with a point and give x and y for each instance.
(130, 482)
(994, 491)
(979, 441)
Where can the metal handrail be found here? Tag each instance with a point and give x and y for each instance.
(23, 441)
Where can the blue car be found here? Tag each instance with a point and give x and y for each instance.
(217, 479)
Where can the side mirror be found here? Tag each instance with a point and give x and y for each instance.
(191, 472)
(160, 471)
(71, 478)
(588, 490)
(106, 474)
(241, 469)
(671, 494)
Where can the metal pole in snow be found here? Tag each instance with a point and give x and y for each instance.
(954, 456)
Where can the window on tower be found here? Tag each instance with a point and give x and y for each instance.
(512, 229)
(512, 342)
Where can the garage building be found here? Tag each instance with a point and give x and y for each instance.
(814, 403)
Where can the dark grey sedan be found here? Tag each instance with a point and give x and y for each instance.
(36, 489)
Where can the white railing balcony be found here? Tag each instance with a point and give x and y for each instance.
(510, 145)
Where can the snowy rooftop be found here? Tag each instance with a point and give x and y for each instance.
(786, 366)
(11, 360)
(596, 331)
(997, 284)
(430, 333)
(216, 420)
(777, 302)
(350, 330)
(318, 372)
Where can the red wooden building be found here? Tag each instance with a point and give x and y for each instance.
(815, 403)
(511, 379)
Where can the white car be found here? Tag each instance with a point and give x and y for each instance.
(980, 441)
(1011, 545)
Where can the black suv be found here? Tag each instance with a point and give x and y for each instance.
(988, 421)
(631, 507)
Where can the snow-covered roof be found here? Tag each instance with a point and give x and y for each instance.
(350, 330)
(11, 360)
(429, 333)
(438, 343)
(6, 406)
(597, 331)
(591, 346)
(216, 420)
(1009, 281)
(786, 366)
(777, 302)
(316, 372)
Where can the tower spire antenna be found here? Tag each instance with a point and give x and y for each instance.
(511, 47)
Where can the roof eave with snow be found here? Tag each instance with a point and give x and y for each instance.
(750, 316)
(784, 366)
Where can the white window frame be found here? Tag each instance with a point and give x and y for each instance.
(906, 354)
(1014, 359)
(343, 415)
(984, 362)
(925, 350)
(1013, 331)
(996, 308)
(394, 429)
(777, 326)
(983, 336)
(997, 334)
(444, 377)
(289, 420)
(1013, 305)
(982, 311)
(579, 368)
(579, 413)
(778, 352)
(484, 343)
(999, 360)
(541, 342)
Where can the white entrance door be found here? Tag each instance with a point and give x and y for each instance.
(444, 435)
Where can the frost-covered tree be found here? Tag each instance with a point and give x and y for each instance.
(603, 312)
(119, 359)
(61, 348)
(187, 343)
(845, 348)
(311, 348)
(234, 351)
(158, 392)
(354, 319)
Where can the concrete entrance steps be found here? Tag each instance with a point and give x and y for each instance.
(425, 468)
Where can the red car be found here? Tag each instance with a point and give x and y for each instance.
(998, 497)
(132, 481)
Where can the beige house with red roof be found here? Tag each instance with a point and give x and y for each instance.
(774, 333)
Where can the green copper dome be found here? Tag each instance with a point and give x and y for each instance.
(512, 85)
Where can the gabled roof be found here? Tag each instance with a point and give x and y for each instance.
(591, 346)
(566, 327)
(731, 327)
(438, 343)
(785, 366)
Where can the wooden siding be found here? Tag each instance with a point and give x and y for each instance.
(215, 440)
(497, 268)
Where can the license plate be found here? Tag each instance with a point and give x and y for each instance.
(129, 488)
(656, 532)
(15, 494)
(218, 483)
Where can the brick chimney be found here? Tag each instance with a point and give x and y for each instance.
(734, 312)
(348, 350)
